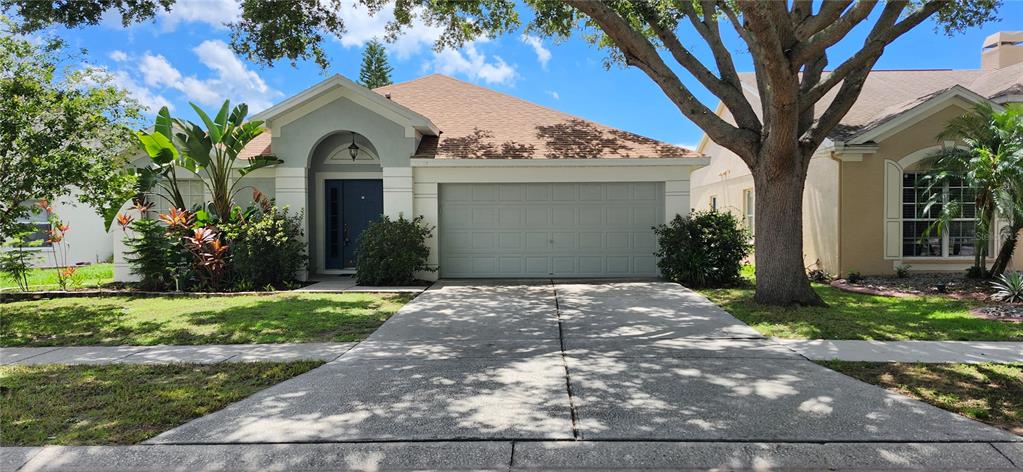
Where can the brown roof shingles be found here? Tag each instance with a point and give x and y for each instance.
(889, 93)
(479, 123)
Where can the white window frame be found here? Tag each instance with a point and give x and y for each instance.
(749, 201)
(34, 219)
(946, 237)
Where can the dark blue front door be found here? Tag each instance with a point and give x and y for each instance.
(350, 206)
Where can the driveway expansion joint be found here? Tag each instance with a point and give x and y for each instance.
(576, 433)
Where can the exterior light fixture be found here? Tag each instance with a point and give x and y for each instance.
(353, 149)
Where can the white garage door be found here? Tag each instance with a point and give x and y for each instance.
(549, 230)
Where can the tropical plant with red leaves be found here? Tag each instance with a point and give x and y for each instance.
(209, 256)
(177, 219)
(60, 248)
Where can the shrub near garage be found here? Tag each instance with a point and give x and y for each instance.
(392, 251)
(703, 249)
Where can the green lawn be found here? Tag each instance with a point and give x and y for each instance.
(855, 316)
(92, 275)
(992, 393)
(121, 404)
(276, 318)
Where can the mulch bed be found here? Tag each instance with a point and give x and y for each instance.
(955, 286)
(1011, 312)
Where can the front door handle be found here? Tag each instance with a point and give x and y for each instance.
(344, 234)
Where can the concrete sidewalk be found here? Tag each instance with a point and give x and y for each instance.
(519, 455)
(200, 354)
(906, 351)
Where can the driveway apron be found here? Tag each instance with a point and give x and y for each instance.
(532, 360)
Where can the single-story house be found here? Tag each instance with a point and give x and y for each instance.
(513, 189)
(862, 205)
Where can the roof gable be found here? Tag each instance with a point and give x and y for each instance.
(361, 95)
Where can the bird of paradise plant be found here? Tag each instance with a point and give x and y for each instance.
(211, 152)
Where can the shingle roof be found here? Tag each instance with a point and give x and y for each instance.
(260, 146)
(889, 93)
(479, 123)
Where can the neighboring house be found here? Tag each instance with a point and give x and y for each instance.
(87, 240)
(513, 189)
(862, 202)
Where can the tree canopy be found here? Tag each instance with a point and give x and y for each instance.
(62, 129)
(375, 71)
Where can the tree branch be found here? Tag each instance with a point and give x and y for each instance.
(833, 32)
(639, 52)
(884, 32)
(728, 88)
(853, 73)
(829, 12)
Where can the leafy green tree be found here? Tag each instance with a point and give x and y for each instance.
(992, 165)
(210, 152)
(62, 129)
(375, 71)
(788, 42)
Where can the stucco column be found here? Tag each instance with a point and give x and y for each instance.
(426, 206)
(676, 199)
(291, 188)
(398, 192)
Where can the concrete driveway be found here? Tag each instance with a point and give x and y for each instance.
(538, 360)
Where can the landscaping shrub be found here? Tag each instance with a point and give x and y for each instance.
(391, 251)
(902, 271)
(1009, 287)
(266, 250)
(704, 249)
(16, 260)
(854, 277)
(152, 254)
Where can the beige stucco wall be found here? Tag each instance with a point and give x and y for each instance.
(863, 196)
(726, 177)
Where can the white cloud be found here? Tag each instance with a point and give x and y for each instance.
(228, 78)
(543, 55)
(474, 65)
(554, 95)
(362, 27)
(233, 78)
(212, 12)
(118, 56)
(148, 99)
(156, 71)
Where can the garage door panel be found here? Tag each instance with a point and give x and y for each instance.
(484, 193)
(564, 216)
(537, 217)
(537, 242)
(485, 217)
(618, 216)
(511, 217)
(645, 216)
(512, 193)
(590, 216)
(510, 265)
(549, 229)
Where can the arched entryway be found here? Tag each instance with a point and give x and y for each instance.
(347, 178)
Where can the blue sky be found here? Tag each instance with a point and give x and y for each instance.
(184, 56)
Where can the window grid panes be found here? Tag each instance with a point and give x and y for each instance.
(192, 191)
(917, 217)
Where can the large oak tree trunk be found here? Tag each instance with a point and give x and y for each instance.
(778, 238)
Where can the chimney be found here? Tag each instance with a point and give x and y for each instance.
(1002, 49)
